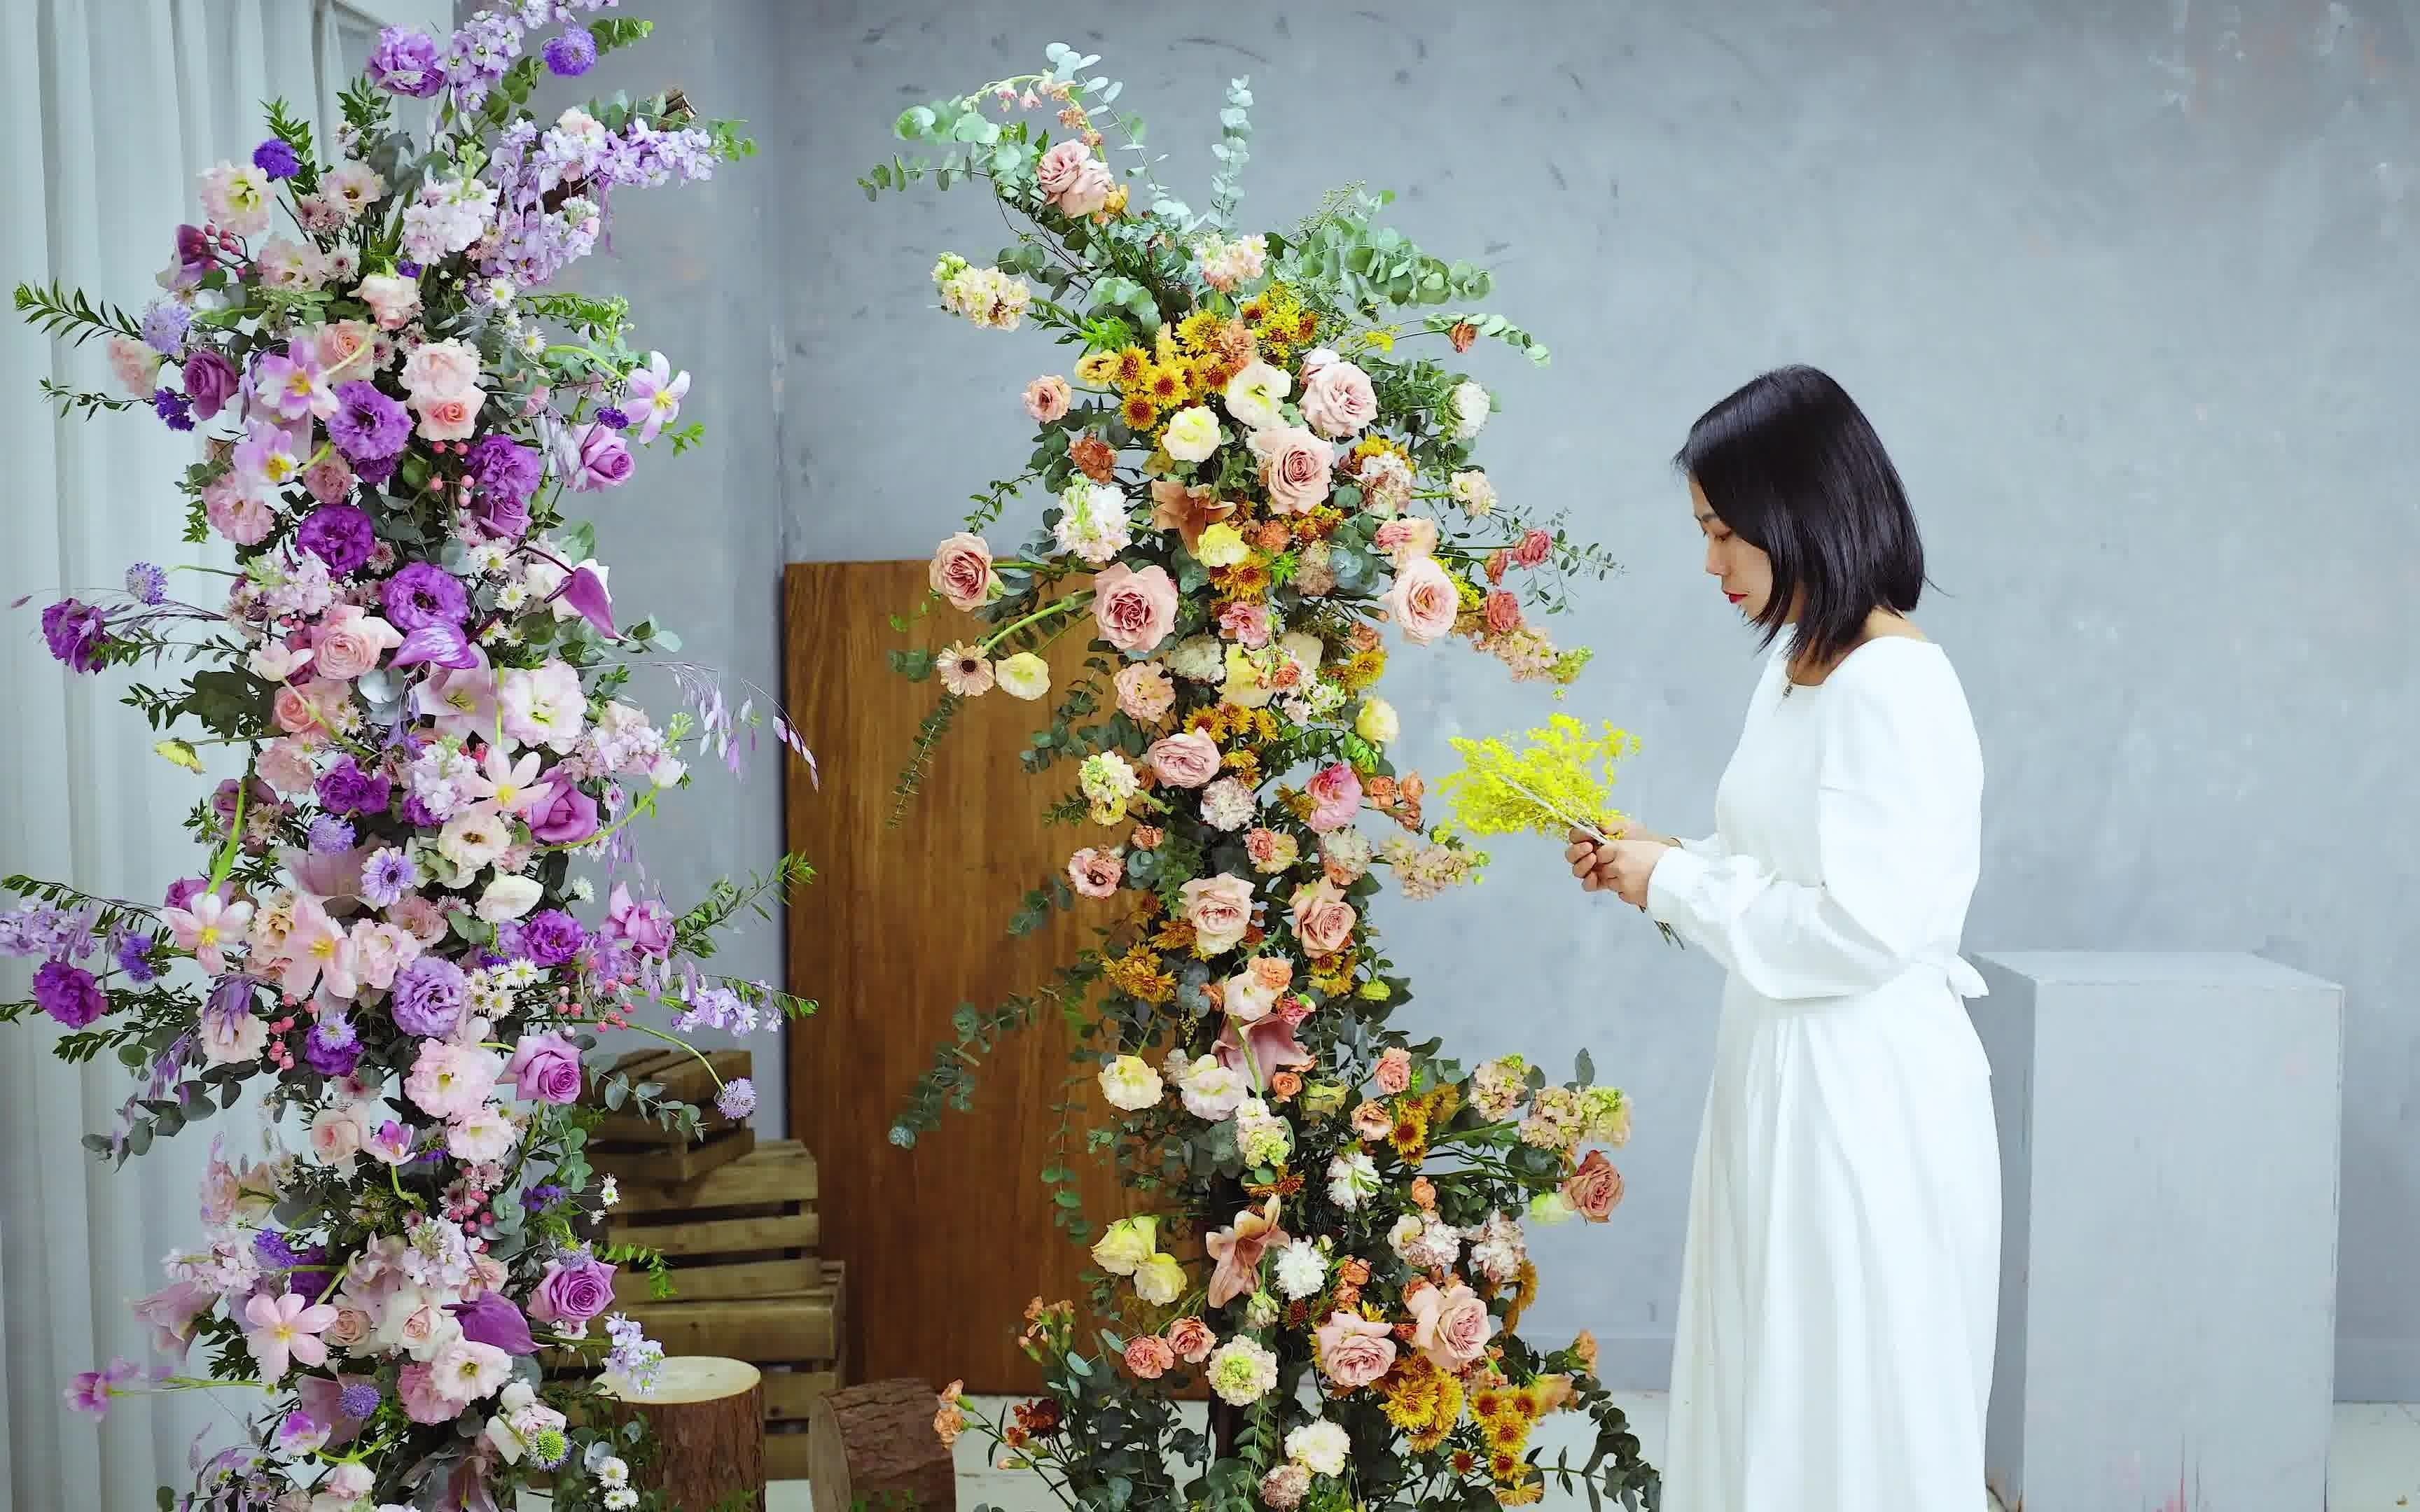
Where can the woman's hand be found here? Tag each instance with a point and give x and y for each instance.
(1626, 864)
(1589, 859)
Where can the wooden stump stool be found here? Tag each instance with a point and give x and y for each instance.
(709, 1417)
(875, 1444)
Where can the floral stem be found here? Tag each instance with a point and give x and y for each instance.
(1072, 602)
(684, 1045)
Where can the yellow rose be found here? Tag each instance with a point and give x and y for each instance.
(1024, 676)
(1159, 1280)
(1129, 1242)
(1222, 545)
(1377, 722)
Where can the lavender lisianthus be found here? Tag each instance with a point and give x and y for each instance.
(367, 426)
(76, 633)
(340, 535)
(428, 996)
(68, 994)
(210, 381)
(421, 594)
(277, 159)
(406, 63)
(345, 789)
(551, 937)
(500, 465)
(571, 55)
(147, 582)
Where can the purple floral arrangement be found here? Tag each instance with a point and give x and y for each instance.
(417, 667)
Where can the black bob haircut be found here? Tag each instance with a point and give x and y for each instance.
(1792, 466)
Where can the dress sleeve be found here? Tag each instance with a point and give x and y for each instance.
(1896, 810)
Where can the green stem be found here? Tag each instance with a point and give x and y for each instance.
(1072, 602)
(684, 1045)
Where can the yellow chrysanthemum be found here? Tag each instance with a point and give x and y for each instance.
(1360, 670)
(1528, 1492)
(1246, 580)
(1254, 312)
(1132, 364)
(1199, 332)
(1098, 370)
(1525, 1291)
(1167, 384)
(1410, 1134)
(1139, 412)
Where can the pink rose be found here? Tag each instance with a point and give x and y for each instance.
(1149, 1357)
(351, 1327)
(1095, 873)
(1503, 612)
(420, 917)
(1354, 1351)
(1322, 918)
(1136, 610)
(1047, 399)
(1534, 548)
(1246, 625)
(1145, 694)
(393, 299)
(448, 417)
(349, 349)
(546, 1066)
(1394, 1070)
(1073, 179)
(350, 642)
(1220, 908)
(1337, 794)
(1185, 759)
(1337, 401)
(961, 572)
(1404, 539)
(441, 367)
(1192, 1340)
(1294, 467)
(1423, 600)
(1595, 1190)
(1451, 1327)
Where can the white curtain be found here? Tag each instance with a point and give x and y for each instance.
(113, 108)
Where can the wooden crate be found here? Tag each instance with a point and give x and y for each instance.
(632, 1149)
(744, 1230)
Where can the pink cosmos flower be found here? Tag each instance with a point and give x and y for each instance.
(284, 1329)
(653, 396)
(317, 948)
(207, 927)
(513, 786)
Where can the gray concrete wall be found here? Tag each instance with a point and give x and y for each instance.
(2128, 288)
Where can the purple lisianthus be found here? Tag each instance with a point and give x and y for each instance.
(502, 465)
(76, 632)
(428, 996)
(183, 892)
(421, 594)
(569, 818)
(330, 834)
(574, 1289)
(375, 470)
(340, 535)
(210, 381)
(275, 158)
(551, 937)
(604, 461)
(387, 875)
(68, 994)
(406, 62)
(572, 54)
(344, 788)
(134, 957)
(367, 425)
(333, 1047)
(491, 1318)
(419, 815)
(147, 582)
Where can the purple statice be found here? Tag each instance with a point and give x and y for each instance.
(387, 875)
(77, 633)
(367, 425)
(428, 996)
(737, 1098)
(406, 63)
(331, 835)
(542, 1196)
(550, 938)
(68, 994)
(346, 789)
(360, 1399)
(421, 594)
(572, 54)
(340, 535)
(333, 1047)
(134, 957)
(147, 582)
(164, 325)
(277, 159)
(175, 410)
(612, 419)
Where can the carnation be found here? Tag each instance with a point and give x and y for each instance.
(1242, 1372)
(1200, 659)
(1302, 1271)
(1229, 804)
(1320, 1446)
(1351, 1179)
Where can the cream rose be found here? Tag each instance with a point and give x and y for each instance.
(962, 573)
(1337, 401)
(1294, 467)
(1128, 1242)
(1220, 909)
(1423, 600)
(1047, 399)
(441, 367)
(1185, 759)
(1135, 611)
(1322, 918)
(1073, 179)
(1130, 1084)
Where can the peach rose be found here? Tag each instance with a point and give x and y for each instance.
(1451, 1327)
(1273, 972)
(350, 642)
(1404, 539)
(1188, 759)
(1337, 401)
(1294, 467)
(1595, 1190)
(1394, 1070)
(1149, 1358)
(1534, 548)
(1095, 874)
(448, 417)
(1145, 694)
(1423, 600)
(351, 1329)
(1503, 614)
(1192, 1340)
(350, 349)
(1371, 1121)
(1047, 399)
(1354, 1351)
(961, 572)
(1220, 909)
(1073, 179)
(1136, 610)
(1322, 918)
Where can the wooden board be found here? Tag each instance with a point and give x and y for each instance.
(670, 1160)
(945, 1243)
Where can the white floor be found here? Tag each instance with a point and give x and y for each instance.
(2375, 1466)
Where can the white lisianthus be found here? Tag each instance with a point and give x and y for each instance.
(475, 839)
(1211, 1090)
(1406, 1232)
(1301, 1270)
(1159, 1280)
(1192, 434)
(1549, 1207)
(1474, 493)
(1253, 394)
(1263, 1137)
(1319, 1446)
(1130, 1084)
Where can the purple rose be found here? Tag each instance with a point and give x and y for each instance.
(573, 1290)
(604, 461)
(551, 937)
(210, 381)
(344, 788)
(340, 535)
(569, 818)
(428, 996)
(546, 1066)
(491, 1318)
(367, 425)
(76, 632)
(423, 593)
(183, 892)
(68, 994)
(406, 62)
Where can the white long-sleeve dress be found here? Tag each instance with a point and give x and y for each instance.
(1839, 1285)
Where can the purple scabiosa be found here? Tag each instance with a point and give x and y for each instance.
(277, 159)
(367, 425)
(76, 632)
(387, 875)
(329, 835)
(572, 54)
(174, 410)
(68, 994)
(340, 535)
(269, 1247)
(147, 582)
(423, 595)
(164, 325)
(333, 1047)
(737, 1098)
(360, 1399)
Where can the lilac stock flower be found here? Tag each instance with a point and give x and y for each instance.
(344, 788)
(275, 158)
(231, 999)
(551, 937)
(147, 582)
(329, 835)
(367, 425)
(76, 632)
(340, 535)
(210, 381)
(388, 875)
(479, 55)
(333, 1047)
(571, 55)
(164, 325)
(406, 63)
(68, 994)
(428, 996)
(421, 594)
(173, 408)
(737, 1098)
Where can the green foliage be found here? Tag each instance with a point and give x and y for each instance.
(62, 313)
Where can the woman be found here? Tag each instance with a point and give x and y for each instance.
(1840, 1278)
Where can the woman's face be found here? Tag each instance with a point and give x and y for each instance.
(1744, 571)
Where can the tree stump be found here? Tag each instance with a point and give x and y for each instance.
(709, 1417)
(872, 1448)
